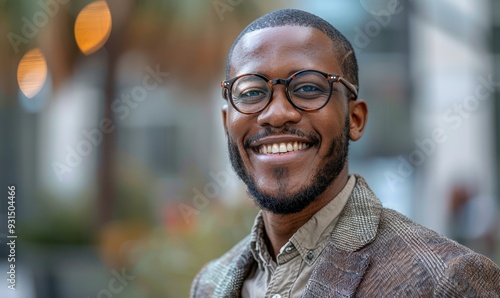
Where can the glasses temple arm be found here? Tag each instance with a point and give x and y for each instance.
(349, 86)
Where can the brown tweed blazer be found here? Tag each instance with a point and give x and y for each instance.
(372, 252)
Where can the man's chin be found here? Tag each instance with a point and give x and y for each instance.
(280, 203)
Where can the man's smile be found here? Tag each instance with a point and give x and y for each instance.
(280, 148)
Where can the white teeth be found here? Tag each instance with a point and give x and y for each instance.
(282, 147)
(276, 148)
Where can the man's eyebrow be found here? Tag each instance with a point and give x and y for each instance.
(269, 77)
(291, 72)
(294, 71)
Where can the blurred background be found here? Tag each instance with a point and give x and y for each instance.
(111, 132)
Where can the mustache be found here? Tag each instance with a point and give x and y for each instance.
(269, 131)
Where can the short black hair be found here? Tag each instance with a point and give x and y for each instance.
(295, 17)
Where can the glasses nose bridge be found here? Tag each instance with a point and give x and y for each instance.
(278, 81)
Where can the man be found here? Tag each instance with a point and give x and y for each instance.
(292, 83)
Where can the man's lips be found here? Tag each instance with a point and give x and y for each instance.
(280, 144)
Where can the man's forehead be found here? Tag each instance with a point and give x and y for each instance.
(298, 46)
(278, 35)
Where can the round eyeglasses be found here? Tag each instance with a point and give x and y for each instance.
(306, 90)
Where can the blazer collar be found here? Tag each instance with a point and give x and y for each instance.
(343, 264)
(239, 268)
(358, 222)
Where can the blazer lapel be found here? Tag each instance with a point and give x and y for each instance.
(232, 284)
(337, 274)
(341, 266)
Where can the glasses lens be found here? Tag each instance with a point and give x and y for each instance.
(250, 93)
(309, 90)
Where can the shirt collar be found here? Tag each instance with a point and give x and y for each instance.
(257, 243)
(309, 240)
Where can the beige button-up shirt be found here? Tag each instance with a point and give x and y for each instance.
(288, 276)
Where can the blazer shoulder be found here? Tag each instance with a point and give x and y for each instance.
(454, 269)
(397, 228)
(474, 275)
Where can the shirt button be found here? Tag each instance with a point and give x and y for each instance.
(310, 256)
(288, 249)
(277, 296)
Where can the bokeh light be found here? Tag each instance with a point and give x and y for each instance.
(32, 72)
(93, 26)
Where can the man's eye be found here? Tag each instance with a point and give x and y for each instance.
(307, 88)
(309, 91)
(250, 96)
(251, 93)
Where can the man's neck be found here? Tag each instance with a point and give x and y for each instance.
(280, 228)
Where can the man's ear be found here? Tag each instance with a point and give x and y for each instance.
(224, 117)
(358, 113)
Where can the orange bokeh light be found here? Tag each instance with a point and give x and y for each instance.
(93, 26)
(32, 72)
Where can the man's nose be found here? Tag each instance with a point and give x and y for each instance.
(279, 111)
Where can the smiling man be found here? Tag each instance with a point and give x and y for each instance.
(292, 85)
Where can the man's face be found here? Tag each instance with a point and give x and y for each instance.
(285, 183)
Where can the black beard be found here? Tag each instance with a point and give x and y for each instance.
(281, 204)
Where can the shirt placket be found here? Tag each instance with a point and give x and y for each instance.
(285, 273)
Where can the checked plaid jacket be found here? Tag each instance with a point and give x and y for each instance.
(372, 252)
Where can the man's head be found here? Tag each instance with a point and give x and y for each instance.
(312, 145)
